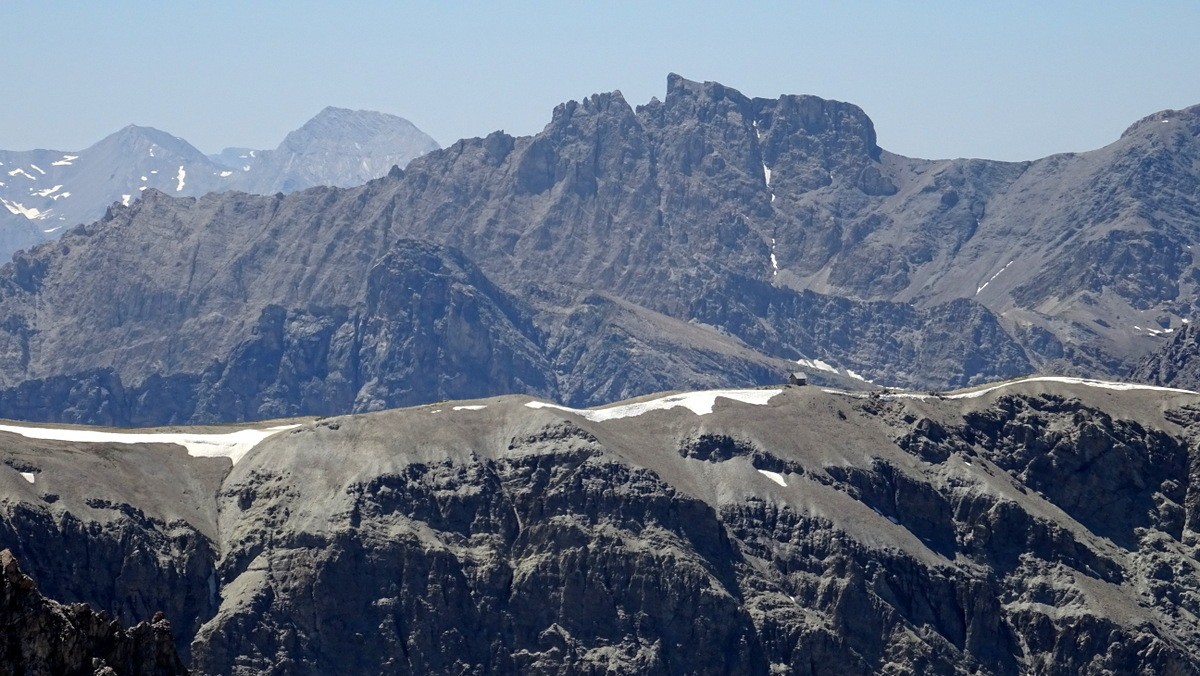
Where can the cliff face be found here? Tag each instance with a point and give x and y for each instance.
(45, 637)
(1039, 527)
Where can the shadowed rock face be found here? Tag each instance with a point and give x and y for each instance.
(1039, 528)
(45, 637)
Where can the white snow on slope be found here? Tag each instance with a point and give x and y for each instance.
(65, 161)
(1089, 382)
(179, 177)
(767, 174)
(989, 281)
(700, 403)
(1105, 384)
(773, 476)
(38, 169)
(48, 191)
(817, 364)
(29, 476)
(232, 445)
(473, 407)
(226, 174)
(20, 210)
(21, 172)
(125, 200)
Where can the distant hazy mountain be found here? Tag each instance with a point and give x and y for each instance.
(338, 147)
(43, 191)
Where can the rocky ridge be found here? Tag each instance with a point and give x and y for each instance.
(45, 637)
(1039, 526)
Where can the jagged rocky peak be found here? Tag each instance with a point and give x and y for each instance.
(818, 141)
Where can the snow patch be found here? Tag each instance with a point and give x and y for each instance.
(226, 174)
(767, 174)
(700, 403)
(21, 172)
(974, 394)
(232, 445)
(20, 210)
(773, 476)
(48, 191)
(29, 476)
(125, 200)
(179, 177)
(989, 281)
(472, 407)
(817, 364)
(38, 169)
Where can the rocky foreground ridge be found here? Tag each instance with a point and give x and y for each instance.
(41, 636)
(1044, 526)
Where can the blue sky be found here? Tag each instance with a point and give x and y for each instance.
(1004, 80)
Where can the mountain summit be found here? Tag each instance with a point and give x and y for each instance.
(337, 147)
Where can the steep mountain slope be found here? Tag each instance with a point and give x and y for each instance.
(44, 191)
(793, 530)
(795, 192)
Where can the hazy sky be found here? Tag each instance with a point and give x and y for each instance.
(1004, 80)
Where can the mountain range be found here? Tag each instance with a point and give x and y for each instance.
(44, 192)
(378, 448)
(705, 240)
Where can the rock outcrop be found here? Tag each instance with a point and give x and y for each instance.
(1175, 364)
(43, 637)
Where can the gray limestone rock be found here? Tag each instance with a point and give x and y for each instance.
(1037, 528)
